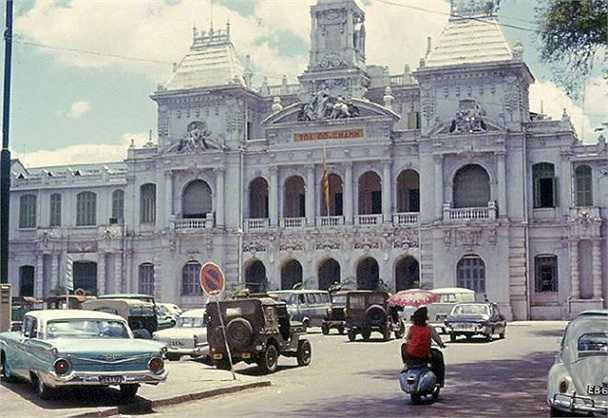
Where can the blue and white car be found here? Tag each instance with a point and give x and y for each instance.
(578, 380)
(59, 348)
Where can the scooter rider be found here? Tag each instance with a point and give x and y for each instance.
(417, 345)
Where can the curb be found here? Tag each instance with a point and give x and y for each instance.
(146, 404)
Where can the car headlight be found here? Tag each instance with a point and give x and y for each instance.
(62, 367)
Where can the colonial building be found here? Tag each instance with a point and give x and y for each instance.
(439, 177)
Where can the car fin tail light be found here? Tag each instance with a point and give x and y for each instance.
(563, 386)
(156, 365)
(61, 367)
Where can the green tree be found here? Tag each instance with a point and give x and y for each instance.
(574, 39)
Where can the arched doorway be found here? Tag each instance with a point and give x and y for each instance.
(335, 197)
(370, 194)
(291, 273)
(255, 276)
(294, 203)
(197, 200)
(408, 191)
(368, 274)
(471, 187)
(471, 273)
(85, 276)
(329, 273)
(26, 281)
(258, 198)
(407, 273)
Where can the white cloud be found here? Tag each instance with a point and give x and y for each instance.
(78, 109)
(82, 153)
(554, 101)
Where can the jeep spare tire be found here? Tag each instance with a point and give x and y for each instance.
(239, 332)
(375, 314)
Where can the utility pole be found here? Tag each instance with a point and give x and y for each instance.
(5, 156)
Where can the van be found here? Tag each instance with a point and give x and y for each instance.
(140, 315)
(307, 306)
(448, 297)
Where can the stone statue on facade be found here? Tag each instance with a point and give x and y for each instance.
(324, 106)
(197, 138)
(468, 119)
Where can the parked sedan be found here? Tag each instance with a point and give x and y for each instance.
(578, 380)
(188, 338)
(470, 319)
(59, 348)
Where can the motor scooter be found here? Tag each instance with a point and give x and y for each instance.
(419, 381)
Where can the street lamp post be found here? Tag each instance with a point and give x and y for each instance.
(5, 157)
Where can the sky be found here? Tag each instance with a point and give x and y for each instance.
(72, 107)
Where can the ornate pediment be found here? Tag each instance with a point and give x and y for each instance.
(197, 139)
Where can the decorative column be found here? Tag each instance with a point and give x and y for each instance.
(168, 198)
(219, 188)
(273, 199)
(38, 276)
(54, 272)
(310, 195)
(348, 193)
(101, 273)
(596, 269)
(438, 186)
(502, 184)
(575, 291)
(117, 273)
(386, 192)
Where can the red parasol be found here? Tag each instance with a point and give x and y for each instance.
(413, 297)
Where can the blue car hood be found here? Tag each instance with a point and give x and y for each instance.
(114, 345)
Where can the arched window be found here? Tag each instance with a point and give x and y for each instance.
(471, 273)
(55, 210)
(26, 281)
(329, 273)
(408, 191)
(291, 274)
(584, 186)
(335, 193)
(255, 277)
(258, 198)
(27, 211)
(370, 194)
(85, 276)
(545, 272)
(545, 185)
(190, 273)
(407, 273)
(197, 200)
(146, 279)
(118, 206)
(294, 202)
(471, 187)
(86, 209)
(147, 201)
(368, 274)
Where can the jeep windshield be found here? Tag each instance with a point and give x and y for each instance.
(339, 300)
(362, 301)
(86, 328)
(191, 322)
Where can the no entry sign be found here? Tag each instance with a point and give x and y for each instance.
(211, 279)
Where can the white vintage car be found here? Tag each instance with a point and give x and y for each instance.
(58, 348)
(578, 380)
(187, 338)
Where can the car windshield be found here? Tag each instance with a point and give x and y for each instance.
(191, 322)
(470, 310)
(593, 344)
(339, 299)
(87, 328)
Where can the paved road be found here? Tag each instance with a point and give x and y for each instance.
(497, 379)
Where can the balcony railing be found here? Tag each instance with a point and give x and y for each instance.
(470, 214)
(330, 220)
(293, 222)
(369, 219)
(257, 224)
(194, 224)
(405, 218)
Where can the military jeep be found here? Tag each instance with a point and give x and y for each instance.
(258, 330)
(335, 317)
(368, 311)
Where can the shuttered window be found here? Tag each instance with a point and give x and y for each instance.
(55, 209)
(584, 186)
(148, 203)
(27, 211)
(545, 185)
(86, 209)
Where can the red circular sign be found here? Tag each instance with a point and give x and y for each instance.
(211, 279)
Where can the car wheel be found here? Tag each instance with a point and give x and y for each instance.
(304, 353)
(557, 413)
(489, 336)
(325, 329)
(503, 334)
(5, 371)
(435, 394)
(173, 357)
(268, 361)
(366, 333)
(352, 335)
(341, 330)
(415, 398)
(43, 391)
(128, 391)
(239, 333)
(452, 337)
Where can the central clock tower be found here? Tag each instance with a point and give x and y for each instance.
(337, 54)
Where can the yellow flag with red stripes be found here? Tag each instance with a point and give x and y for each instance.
(325, 183)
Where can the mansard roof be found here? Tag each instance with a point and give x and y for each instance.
(211, 61)
(470, 40)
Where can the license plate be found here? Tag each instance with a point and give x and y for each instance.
(597, 390)
(218, 356)
(464, 326)
(111, 380)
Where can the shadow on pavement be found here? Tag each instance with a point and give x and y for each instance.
(549, 332)
(493, 388)
(253, 370)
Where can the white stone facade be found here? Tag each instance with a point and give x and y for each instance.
(437, 178)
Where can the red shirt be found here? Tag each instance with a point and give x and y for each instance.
(419, 341)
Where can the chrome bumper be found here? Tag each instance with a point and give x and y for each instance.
(578, 404)
(92, 378)
(199, 350)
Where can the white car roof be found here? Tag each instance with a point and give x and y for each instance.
(452, 290)
(54, 314)
(196, 313)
